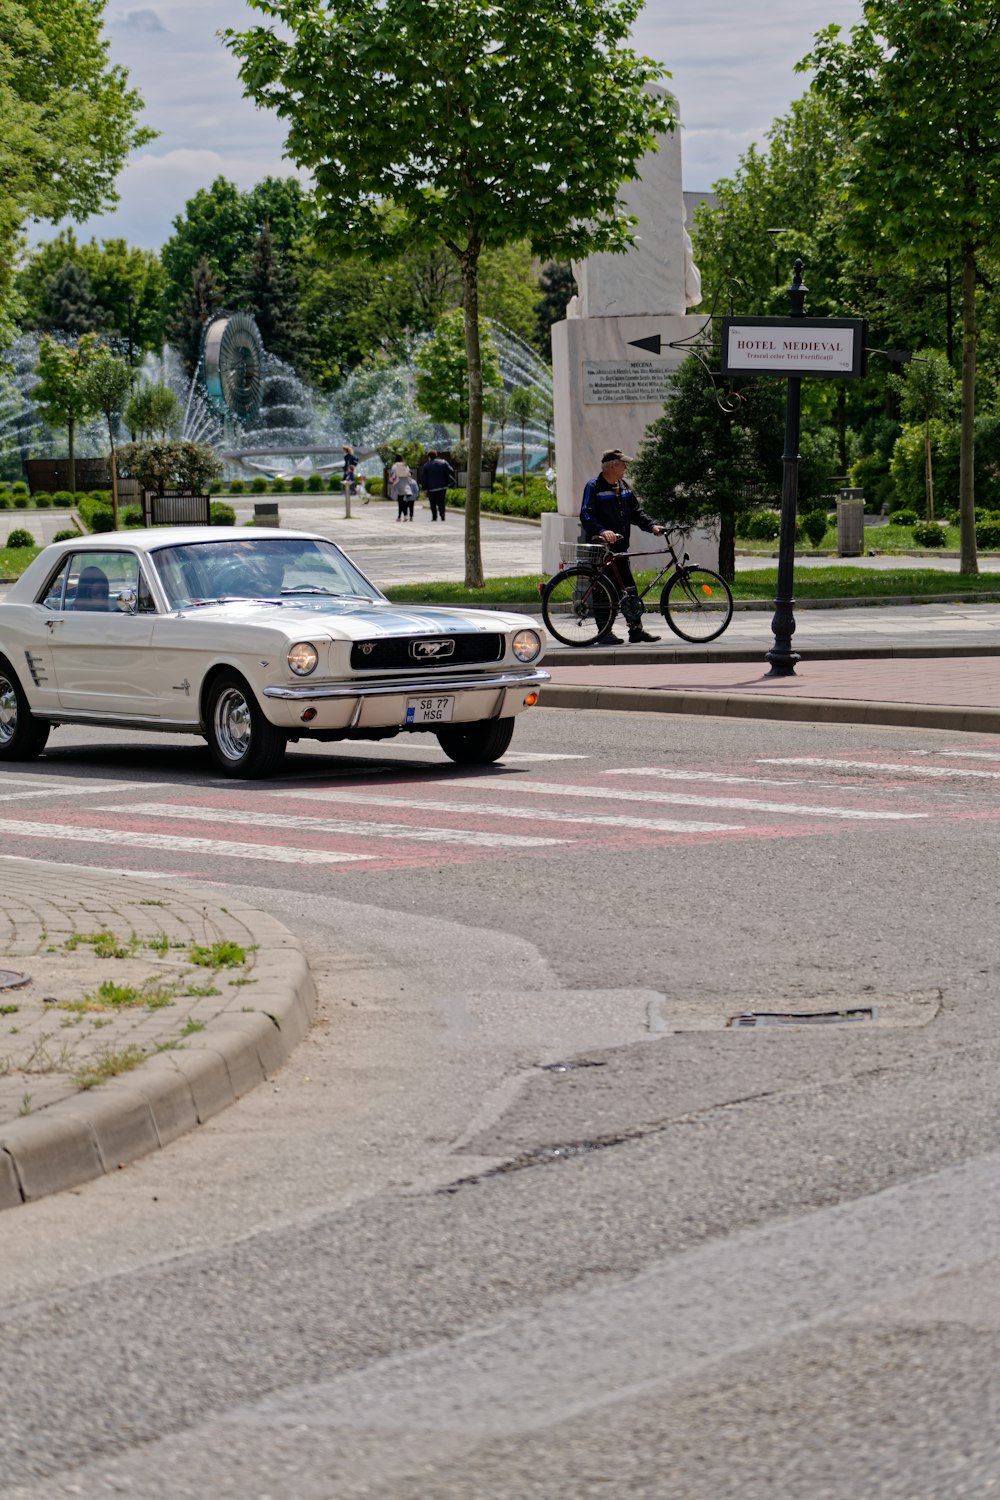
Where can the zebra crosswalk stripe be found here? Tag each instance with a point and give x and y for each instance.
(70, 832)
(943, 773)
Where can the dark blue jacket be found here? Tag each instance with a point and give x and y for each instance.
(607, 508)
(437, 474)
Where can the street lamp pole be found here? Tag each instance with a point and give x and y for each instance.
(781, 656)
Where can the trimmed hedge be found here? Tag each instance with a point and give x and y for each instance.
(20, 538)
(988, 535)
(221, 514)
(929, 534)
(258, 486)
(314, 483)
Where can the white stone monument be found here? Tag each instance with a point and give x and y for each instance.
(606, 390)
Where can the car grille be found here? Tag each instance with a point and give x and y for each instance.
(396, 655)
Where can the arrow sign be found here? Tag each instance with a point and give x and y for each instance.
(651, 344)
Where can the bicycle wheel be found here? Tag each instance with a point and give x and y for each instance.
(578, 606)
(697, 604)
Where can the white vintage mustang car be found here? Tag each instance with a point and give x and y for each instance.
(251, 639)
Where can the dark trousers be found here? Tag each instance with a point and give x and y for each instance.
(437, 499)
(628, 595)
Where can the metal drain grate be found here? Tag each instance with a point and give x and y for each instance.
(10, 980)
(803, 1017)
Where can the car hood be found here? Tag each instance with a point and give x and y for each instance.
(360, 620)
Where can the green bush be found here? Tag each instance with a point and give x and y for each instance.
(66, 536)
(41, 499)
(764, 526)
(279, 486)
(988, 535)
(454, 499)
(259, 486)
(314, 483)
(164, 466)
(236, 486)
(102, 520)
(101, 497)
(20, 538)
(19, 487)
(20, 501)
(133, 517)
(929, 534)
(6, 502)
(373, 485)
(222, 514)
(904, 518)
(215, 488)
(953, 518)
(63, 499)
(814, 524)
(298, 485)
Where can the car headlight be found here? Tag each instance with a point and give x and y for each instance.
(526, 645)
(303, 658)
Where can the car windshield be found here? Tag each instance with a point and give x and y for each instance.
(258, 568)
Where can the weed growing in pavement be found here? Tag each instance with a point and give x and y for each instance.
(159, 945)
(25, 1108)
(238, 983)
(152, 903)
(227, 955)
(201, 991)
(41, 1060)
(108, 1064)
(98, 1021)
(9, 1010)
(104, 944)
(114, 996)
(191, 1026)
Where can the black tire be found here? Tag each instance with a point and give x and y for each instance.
(697, 604)
(241, 741)
(578, 606)
(476, 744)
(22, 736)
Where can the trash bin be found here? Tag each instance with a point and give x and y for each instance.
(265, 513)
(850, 523)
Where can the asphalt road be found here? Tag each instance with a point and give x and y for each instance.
(525, 1216)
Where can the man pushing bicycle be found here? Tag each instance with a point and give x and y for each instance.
(608, 513)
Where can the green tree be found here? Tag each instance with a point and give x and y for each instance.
(204, 298)
(557, 287)
(61, 395)
(107, 383)
(441, 372)
(702, 463)
(117, 271)
(494, 125)
(497, 404)
(70, 302)
(523, 406)
(152, 410)
(266, 288)
(67, 121)
(916, 88)
(927, 393)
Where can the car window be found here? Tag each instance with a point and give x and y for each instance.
(257, 568)
(95, 579)
(52, 596)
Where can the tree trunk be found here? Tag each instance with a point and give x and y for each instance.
(928, 471)
(966, 484)
(473, 355)
(842, 426)
(727, 545)
(524, 467)
(70, 438)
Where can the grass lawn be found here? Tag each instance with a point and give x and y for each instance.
(878, 538)
(14, 560)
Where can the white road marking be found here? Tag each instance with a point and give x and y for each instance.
(60, 786)
(405, 832)
(531, 814)
(715, 777)
(960, 754)
(941, 773)
(686, 799)
(138, 840)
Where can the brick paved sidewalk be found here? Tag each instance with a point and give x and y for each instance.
(146, 1010)
(937, 692)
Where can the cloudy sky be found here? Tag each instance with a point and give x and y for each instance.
(732, 64)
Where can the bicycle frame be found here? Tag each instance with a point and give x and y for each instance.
(609, 565)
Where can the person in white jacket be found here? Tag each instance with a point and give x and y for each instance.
(399, 487)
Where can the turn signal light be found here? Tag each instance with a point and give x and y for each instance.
(308, 714)
(531, 700)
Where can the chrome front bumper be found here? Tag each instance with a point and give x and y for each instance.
(411, 686)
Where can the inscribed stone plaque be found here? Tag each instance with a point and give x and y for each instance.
(617, 382)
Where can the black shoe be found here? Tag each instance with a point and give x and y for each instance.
(608, 639)
(639, 637)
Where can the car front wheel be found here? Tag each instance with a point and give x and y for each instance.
(242, 742)
(476, 744)
(22, 736)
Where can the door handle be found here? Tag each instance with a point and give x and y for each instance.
(51, 624)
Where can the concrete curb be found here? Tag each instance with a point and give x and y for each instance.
(753, 706)
(75, 1140)
(612, 656)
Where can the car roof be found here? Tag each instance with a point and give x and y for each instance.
(148, 540)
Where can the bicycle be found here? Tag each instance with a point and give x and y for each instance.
(580, 603)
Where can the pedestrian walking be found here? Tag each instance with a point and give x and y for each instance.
(438, 475)
(399, 487)
(608, 513)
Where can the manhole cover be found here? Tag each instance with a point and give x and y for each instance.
(10, 980)
(803, 1017)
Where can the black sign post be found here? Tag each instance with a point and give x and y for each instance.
(831, 348)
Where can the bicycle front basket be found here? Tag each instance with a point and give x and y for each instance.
(582, 552)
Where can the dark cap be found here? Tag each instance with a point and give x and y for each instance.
(614, 456)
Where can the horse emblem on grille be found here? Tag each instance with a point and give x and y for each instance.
(431, 650)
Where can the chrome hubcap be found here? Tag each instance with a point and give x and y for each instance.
(8, 711)
(232, 725)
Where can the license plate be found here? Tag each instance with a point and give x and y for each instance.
(429, 710)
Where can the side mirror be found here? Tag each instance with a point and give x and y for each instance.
(127, 602)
